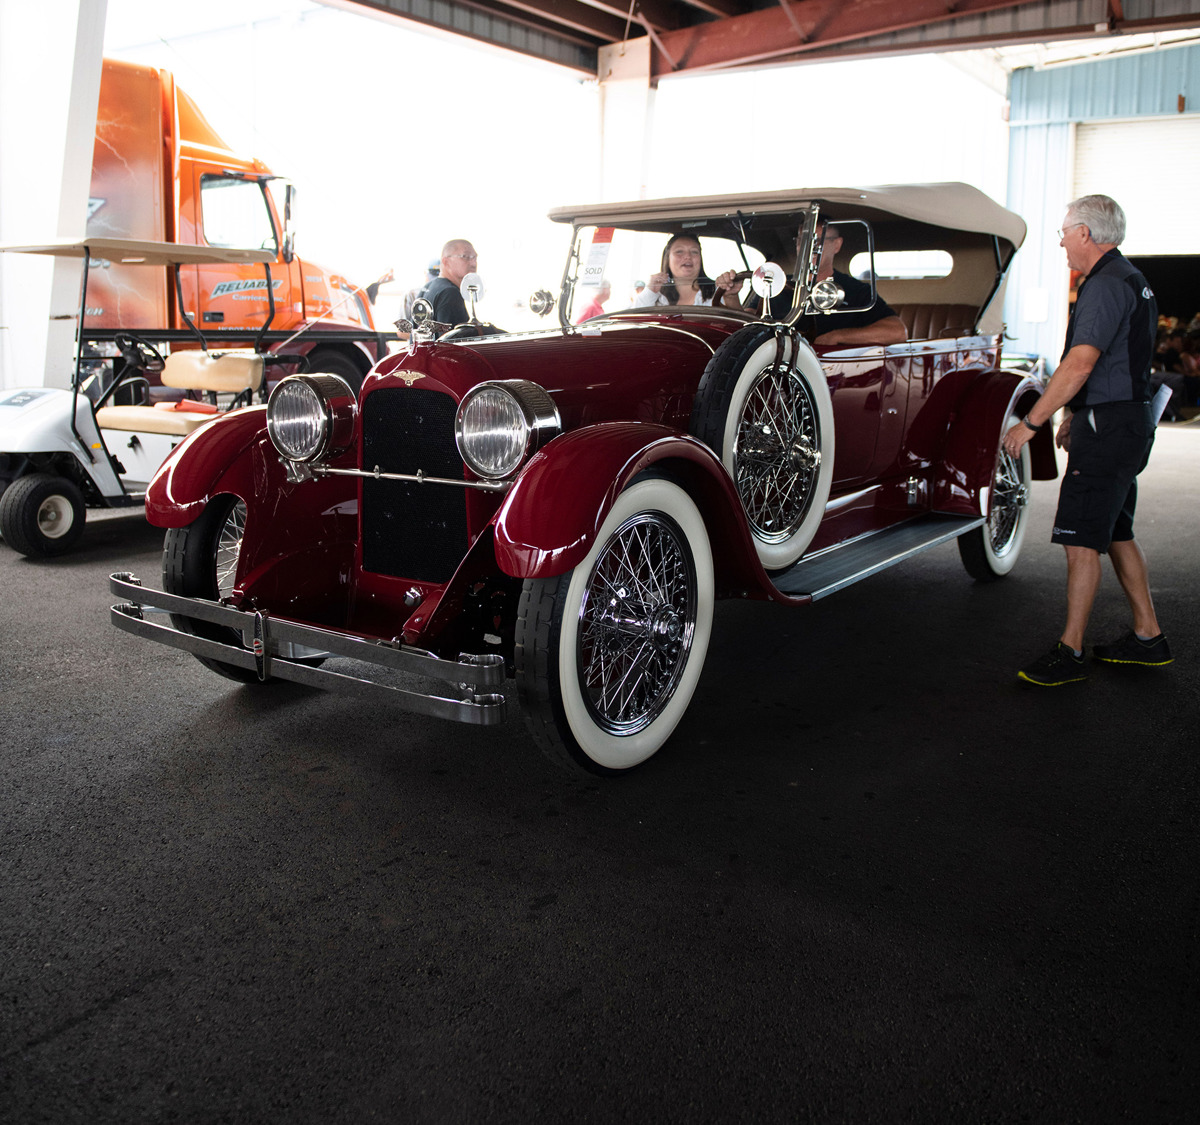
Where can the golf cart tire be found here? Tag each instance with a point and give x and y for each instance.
(42, 515)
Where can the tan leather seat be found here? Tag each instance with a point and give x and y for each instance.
(936, 322)
(228, 372)
(149, 420)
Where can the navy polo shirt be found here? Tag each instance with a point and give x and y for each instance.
(1115, 312)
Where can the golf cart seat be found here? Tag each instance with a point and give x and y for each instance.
(237, 372)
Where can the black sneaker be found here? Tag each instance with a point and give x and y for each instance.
(1130, 649)
(1059, 666)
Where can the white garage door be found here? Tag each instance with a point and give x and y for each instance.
(1151, 168)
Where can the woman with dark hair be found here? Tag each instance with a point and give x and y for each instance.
(682, 280)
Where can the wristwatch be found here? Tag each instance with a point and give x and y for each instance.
(1032, 426)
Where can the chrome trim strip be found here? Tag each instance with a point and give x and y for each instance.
(264, 636)
(418, 477)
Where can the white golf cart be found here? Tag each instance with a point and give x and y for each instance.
(98, 444)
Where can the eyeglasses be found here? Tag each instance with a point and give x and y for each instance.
(1070, 226)
(466, 257)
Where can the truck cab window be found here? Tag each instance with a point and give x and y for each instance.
(234, 213)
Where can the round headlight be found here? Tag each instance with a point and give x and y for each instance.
(500, 424)
(310, 415)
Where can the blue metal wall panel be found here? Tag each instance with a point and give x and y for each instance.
(1044, 106)
(1146, 85)
(1039, 187)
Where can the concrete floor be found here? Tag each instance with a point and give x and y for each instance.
(872, 878)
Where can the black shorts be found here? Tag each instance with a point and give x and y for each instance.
(1110, 445)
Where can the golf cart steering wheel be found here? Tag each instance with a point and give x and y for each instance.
(139, 353)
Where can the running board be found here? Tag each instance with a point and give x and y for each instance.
(834, 569)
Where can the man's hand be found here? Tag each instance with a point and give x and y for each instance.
(1016, 439)
(1063, 438)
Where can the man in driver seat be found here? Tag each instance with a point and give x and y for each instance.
(878, 324)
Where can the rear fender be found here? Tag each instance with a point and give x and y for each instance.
(964, 475)
(549, 519)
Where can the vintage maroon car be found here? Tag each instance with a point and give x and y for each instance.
(563, 506)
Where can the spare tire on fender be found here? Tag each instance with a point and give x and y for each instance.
(763, 407)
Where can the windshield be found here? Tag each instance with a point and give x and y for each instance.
(628, 260)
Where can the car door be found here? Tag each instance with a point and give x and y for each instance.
(862, 386)
(231, 211)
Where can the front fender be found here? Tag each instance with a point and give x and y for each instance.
(549, 519)
(964, 477)
(188, 478)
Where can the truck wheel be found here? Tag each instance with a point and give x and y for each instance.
(200, 561)
(608, 655)
(991, 551)
(763, 407)
(42, 515)
(325, 361)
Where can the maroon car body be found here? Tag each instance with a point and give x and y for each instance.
(563, 506)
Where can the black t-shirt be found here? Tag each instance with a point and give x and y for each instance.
(448, 304)
(858, 293)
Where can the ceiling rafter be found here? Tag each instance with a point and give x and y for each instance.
(689, 36)
(807, 25)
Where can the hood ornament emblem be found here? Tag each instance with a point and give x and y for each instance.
(409, 377)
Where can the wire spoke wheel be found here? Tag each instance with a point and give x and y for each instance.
(763, 407)
(229, 549)
(607, 655)
(636, 623)
(777, 453)
(1010, 497)
(991, 551)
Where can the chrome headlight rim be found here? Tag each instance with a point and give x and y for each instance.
(540, 423)
(334, 411)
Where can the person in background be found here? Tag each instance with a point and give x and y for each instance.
(458, 260)
(431, 271)
(1103, 379)
(595, 307)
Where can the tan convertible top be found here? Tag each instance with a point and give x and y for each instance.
(952, 206)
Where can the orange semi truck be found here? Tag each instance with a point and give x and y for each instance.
(160, 173)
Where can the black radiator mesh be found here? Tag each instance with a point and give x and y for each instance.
(414, 531)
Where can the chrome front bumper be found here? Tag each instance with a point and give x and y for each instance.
(478, 680)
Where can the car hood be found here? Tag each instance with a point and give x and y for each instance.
(607, 369)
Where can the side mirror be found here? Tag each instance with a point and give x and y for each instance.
(472, 290)
(289, 234)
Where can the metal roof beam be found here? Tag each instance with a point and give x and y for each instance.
(592, 20)
(771, 34)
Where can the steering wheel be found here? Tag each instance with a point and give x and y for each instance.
(738, 278)
(139, 353)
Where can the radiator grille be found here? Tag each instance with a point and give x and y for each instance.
(414, 531)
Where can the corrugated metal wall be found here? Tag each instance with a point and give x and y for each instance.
(1045, 106)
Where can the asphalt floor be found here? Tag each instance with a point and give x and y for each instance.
(872, 878)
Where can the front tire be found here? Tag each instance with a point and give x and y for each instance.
(608, 655)
(990, 552)
(200, 561)
(42, 515)
(763, 407)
